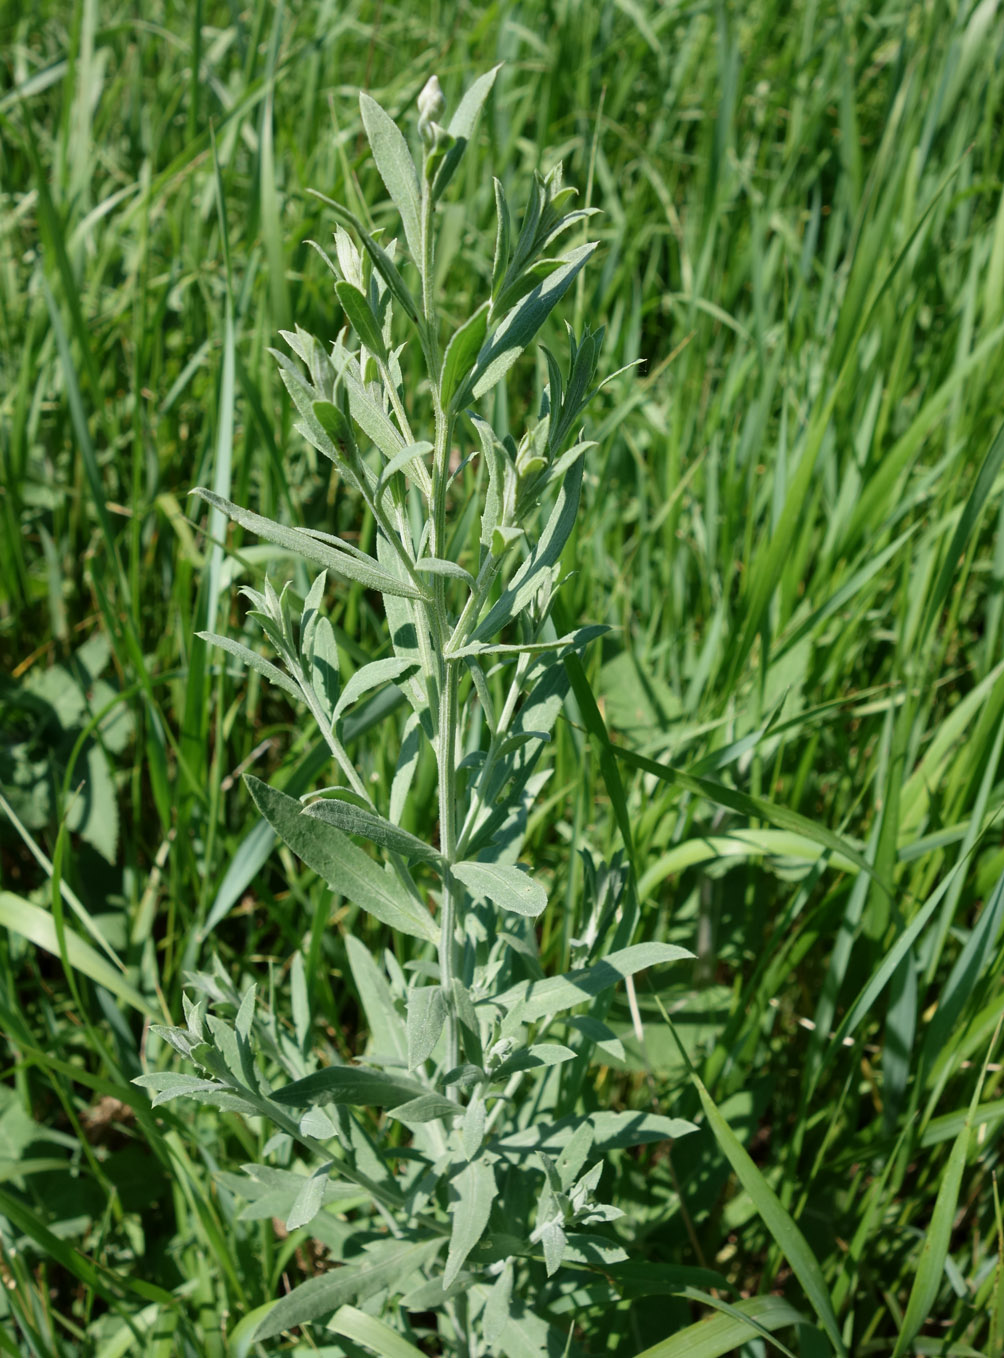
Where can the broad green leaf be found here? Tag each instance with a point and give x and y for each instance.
(389, 1266)
(371, 1333)
(254, 661)
(358, 1086)
(728, 1331)
(539, 999)
(343, 865)
(361, 318)
(506, 887)
(475, 1191)
(504, 347)
(342, 560)
(461, 352)
(460, 127)
(397, 170)
(39, 928)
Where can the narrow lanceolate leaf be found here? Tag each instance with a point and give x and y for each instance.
(374, 421)
(787, 1236)
(356, 820)
(504, 886)
(397, 169)
(555, 993)
(361, 318)
(460, 354)
(343, 865)
(253, 660)
(358, 1086)
(343, 561)
(39, 928)
(389, 1267)
(460, 127)
(383, 262)
(387, 1031)
(504, 347)
(938, 1237)
(371, 1333)
(171, 1084)
(528, 579)
(475, 1190)
(719, 794)
(728, 1331)
(611, 1131)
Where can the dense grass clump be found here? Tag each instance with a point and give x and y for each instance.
(784, 754)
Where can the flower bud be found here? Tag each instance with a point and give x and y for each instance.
(430, 106)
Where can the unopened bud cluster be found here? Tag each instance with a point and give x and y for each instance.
(431, 104)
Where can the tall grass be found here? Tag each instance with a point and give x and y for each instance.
(793, 731)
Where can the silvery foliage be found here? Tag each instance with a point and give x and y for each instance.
(460, 1142)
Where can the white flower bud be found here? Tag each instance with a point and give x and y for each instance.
(430, 106)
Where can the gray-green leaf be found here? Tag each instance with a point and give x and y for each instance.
(506, 887)
(426, 1017)
(397, 169)
(309, 1200)
(358, 1086)
(368, 677)
(342, 560)
(460, 127)
(530, 576)
(356, 820)
(460, 354)
(475, 1190)
(550, 996)
(253, 660)
(361, 318)
(517, 330)
(342, 864)
(389, 1265)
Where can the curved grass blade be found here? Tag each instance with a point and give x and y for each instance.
(789, 1239)
(729, 1330)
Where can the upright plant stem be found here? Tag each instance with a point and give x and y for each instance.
(448, 673)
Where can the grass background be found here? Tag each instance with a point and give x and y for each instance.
(794, 525)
